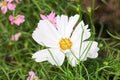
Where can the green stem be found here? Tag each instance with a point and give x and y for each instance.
(34, 1)
(79, 8)
(91, 16)
(101, 30)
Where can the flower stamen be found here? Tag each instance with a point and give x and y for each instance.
(4, 3)
(65, 43)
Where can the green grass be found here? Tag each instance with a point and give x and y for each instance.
(15, 57)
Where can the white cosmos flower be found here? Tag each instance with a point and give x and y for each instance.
(64, 41)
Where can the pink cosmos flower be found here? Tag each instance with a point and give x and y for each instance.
(32, 76)
(15, 37)
(17, 20)
(51, 17)
(7, 5)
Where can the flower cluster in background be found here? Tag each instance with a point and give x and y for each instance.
(6, 5)
(10, 5)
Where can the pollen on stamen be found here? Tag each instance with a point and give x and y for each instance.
(65, 43)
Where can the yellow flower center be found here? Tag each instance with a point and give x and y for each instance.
(65, 43)
(35, 79)
(15, 18)
(4, 3)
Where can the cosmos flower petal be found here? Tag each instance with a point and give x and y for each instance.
(62, 22)
(71, 59)
(43, 16)
(51, 15)
(54, 56)
(11, 6)
(80, 33)
(45, 34)
(40, 55)
(93, 51)
(88, 49)
(75, 56)
(32, 76)
(8, 1)
(15, 37)
(71, 23)
(4, 9)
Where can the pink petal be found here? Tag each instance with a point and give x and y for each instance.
(20, 19)
(11, 19)
(17, 22)
(16, 36)
(51, 15)
(0, 4)
(31, 75)
(8, 1)
(11, 6)
(43, 16)
(4, 9)
(28, 78)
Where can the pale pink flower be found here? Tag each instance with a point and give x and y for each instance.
(15, 37)
(32, 76)
(51, 17)
(17, 20)
(7, 5)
